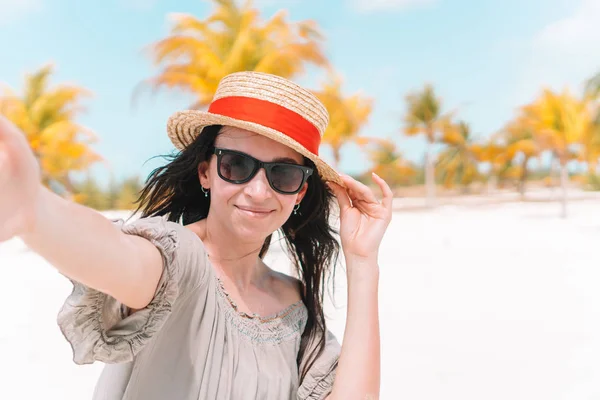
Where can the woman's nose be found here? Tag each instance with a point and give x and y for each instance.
(258, 187)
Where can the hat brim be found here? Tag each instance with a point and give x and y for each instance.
(184, 126)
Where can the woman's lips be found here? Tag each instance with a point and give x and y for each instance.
(254, 212)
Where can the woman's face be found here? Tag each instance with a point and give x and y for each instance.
(251, 210)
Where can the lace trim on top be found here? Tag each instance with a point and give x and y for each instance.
(284, 325)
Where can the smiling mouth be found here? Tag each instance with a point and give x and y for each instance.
(254, 212)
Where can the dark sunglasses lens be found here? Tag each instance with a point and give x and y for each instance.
(236, 167)
(287, 178)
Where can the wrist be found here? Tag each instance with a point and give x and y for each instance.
(363, 268)
(38, 213)
(362, 260)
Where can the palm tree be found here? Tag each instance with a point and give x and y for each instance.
(198, 53)
(46, 115)
(89, 193)
(590, 151)
(520, 146)
(347, 115)
(424, 117)
(129, 192)
(493, 152)
(591, 141)
(389, 163)
(458, 163)
(560, 122)
(592, 86)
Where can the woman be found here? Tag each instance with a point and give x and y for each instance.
(179, 304)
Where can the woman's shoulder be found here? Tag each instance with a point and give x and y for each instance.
(155, 224)
(187, 257)
(197, 230)
(183, 238)
(287, 288)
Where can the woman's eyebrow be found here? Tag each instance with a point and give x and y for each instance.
(285, 160)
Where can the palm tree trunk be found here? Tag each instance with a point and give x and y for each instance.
(564, 178)
(68, 186)
(591, 168)
(336, 158)
(429, 175)
(523, 179)
(555, 173)
(492, 182)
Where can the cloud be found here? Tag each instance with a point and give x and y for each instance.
(565, 52)
(13, 10)
(578, 30)
(387, 5)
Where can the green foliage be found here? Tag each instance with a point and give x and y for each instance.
(593, 182)
(118, 196)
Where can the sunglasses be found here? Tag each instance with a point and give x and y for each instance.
(237, 167)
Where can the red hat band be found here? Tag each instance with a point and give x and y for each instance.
(270, 115)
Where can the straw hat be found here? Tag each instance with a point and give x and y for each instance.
(266, 104)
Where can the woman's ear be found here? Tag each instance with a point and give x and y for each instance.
(302, 193)
(203, 174)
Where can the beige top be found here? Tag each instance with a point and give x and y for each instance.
(191, 342)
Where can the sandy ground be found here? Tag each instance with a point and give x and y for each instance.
(488, 302)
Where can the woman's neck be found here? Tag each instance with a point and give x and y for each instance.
(240, 262)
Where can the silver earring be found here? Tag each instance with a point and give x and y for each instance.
(296, 209)
(205, 191)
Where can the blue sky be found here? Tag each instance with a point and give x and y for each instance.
(484, 57)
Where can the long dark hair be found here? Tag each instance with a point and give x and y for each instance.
(174, 190)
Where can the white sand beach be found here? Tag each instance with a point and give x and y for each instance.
(477, 302)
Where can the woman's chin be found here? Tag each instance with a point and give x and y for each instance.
(253, 230)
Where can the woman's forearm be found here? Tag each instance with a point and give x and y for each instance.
(85, 246)
(358, 370)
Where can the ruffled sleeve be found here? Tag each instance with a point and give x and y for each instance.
(318, 382)
(99, 328)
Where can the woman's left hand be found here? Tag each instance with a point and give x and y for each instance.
(363, 218)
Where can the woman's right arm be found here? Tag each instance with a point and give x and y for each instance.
(80, 242)
(88, 248)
